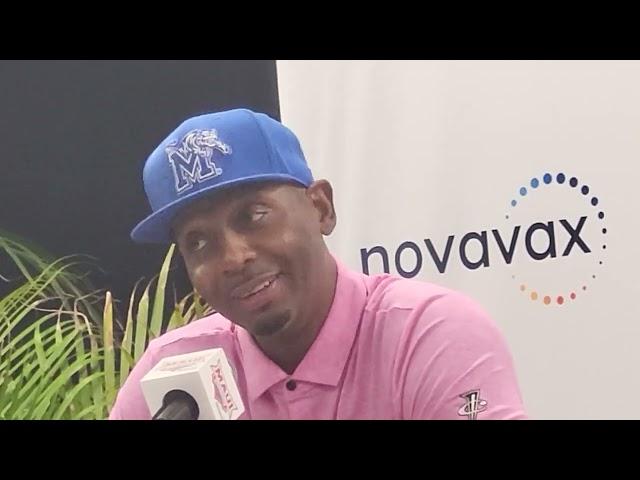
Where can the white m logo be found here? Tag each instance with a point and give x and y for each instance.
(191, 158)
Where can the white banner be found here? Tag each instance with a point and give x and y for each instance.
(511, 181)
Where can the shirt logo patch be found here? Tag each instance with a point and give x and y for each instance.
(473, 405)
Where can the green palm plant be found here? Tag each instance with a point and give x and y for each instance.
(63, 352)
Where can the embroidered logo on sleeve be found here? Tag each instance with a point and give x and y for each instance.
(473, 405)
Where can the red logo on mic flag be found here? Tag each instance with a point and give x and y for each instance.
(221, 392)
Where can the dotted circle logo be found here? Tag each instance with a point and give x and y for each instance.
(538, 292)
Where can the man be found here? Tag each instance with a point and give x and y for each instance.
(307, 337)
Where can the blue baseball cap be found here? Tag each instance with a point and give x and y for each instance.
(214, 151)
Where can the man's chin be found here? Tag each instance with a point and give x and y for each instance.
(270, 324)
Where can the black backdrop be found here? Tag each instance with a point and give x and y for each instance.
(74, 137)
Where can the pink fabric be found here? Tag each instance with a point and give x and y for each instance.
(390, 348)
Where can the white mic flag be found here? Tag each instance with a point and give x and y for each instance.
(204, 378)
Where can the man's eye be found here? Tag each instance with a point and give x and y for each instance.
(197, 244)
(254, 214)
(257, 215)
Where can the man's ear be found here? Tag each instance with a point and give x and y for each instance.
(320, 193)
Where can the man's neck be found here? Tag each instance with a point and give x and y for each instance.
(288, 348)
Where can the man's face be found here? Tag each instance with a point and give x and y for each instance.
(253, 252)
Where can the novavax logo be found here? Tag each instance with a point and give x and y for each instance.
(552, 220)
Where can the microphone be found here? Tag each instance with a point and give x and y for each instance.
(193, 386)
(178, 405)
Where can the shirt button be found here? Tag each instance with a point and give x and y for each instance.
(291, 385)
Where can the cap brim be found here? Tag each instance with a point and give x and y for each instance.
(156, 228)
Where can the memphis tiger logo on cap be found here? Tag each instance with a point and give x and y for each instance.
(191, 158)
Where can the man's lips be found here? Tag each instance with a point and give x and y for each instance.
(253, 286)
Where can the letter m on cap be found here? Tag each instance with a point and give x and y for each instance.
(189, 169)
(191, 160)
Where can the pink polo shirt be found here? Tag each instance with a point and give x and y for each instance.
(390, 348)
